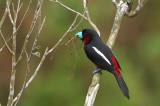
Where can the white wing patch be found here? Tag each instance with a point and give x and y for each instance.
(102, 55)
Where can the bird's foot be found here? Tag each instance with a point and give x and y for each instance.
(97, 71)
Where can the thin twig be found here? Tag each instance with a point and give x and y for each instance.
(23, 88)
(68, 8)
(39, 6)
(14, 62)
(135, 12)
(60, 40)
(24, 15)
(25, 85)
(13, 20)
(5, 42)
(74, 49)
(25, 81)
(33, 76)
(86, 11)
(9, 13)
(88, 17)
(69, 40)
(14, 12)
(38, 67)
(8, 2)
(36, 38)
(78, 23)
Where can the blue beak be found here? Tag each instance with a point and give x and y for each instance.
(79, 35)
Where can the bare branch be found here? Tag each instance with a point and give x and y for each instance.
(5, 42)
(60, 40)
(61, 4)
(36, 39)
(13, 20)
(93, 90)
(38, 67)
(69, 40)
(39, 6)
(78, 24)
(114, 2)
(88, 17)
(25, 81)
(19, 6)
(9, 13)
(14, 12)
(13, 72)
(129, 3)
(24, 15)
(86, 11)
(8, 2)
(115, 28)
(134, 13)
(14, 47)
(33, 76)
(37, 14)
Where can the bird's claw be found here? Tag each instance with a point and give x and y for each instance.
(97, 71)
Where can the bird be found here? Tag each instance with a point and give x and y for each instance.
(102, 56)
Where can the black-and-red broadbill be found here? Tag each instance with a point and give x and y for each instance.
(102, 56)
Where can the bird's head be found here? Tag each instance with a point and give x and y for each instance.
(87, 35)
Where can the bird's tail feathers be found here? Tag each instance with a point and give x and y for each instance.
(122, 85)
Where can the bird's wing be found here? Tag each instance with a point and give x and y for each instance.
(99, 57)
(118, 63)
(111, 55)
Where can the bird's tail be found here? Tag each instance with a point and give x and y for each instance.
(122, 85)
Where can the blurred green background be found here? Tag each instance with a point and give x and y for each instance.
(137, 48)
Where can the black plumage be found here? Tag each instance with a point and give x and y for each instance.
(102, 56)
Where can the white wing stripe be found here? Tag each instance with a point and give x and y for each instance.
(101, 54)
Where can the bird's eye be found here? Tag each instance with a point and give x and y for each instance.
(85, 34)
